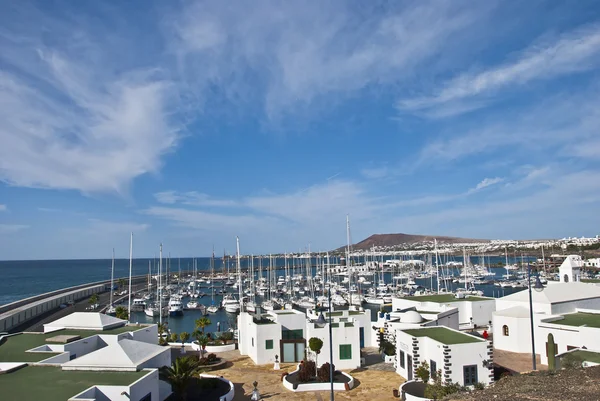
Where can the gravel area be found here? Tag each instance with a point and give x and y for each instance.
(565, 385)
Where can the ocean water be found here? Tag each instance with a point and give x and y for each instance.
(22, 279)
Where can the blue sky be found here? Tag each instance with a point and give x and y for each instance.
(189, 123)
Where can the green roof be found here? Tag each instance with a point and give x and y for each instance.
(443, 335)
(580, 319)
(12, 349)
(35, 383)
(445, 298)
(588, 356)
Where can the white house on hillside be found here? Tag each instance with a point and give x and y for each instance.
(461, 358)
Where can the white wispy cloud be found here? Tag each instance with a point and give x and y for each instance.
(486, 182)
(301, 53)
(12, 228)
(74, 116)
(191, 198)
(375, 172)
(566, 121)
(573, 52)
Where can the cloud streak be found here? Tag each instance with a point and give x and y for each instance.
(73, 116)
(575, 52)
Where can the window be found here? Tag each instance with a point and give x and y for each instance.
(433, 368)
(566, 278)
(470, 375)
(345, 351)
(147, 397)
(505, 330)
(269, 344)
(402, 363)
(253, 341)
(291, 334)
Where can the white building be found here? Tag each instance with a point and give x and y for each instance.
(580, 329)
(472, 310)
(461, 358)
(285, 333)
(124, 359)
(593, 262)
(511, 321)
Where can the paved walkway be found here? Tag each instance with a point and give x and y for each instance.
(516, 362)
(371, 383)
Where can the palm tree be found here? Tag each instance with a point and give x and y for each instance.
(174, 337)
(162, 328)
(184, 336)
(315, 344)
(93, 299)
(180, 373)
(121, 313)
(202, 323)
(122, 283)
(202, 342)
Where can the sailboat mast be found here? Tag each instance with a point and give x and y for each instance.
(237, 240)
(112, 277)
(465, 266)
(160, 286)
(348, 258)
(130, 270)
(437, 266)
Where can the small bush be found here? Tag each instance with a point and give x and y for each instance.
(570, 361)
(212, 358)
(323, 372)
(479, 386)
(422, 372)
(203, 361)
(226, 336)
(307, 371)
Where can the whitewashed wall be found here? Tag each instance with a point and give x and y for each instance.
(519, 334)
(340, 335)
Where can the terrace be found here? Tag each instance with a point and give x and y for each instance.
(13, 349)
(446, 298)
(34, 383)
(443, 335)
(579, 319)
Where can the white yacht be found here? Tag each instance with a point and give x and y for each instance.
(175, 306)
(230, 304)
(138, 305)
(192, 305)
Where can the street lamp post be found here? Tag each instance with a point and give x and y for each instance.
(538, 287)
(321, 321)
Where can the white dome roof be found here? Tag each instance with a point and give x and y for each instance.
(411, 317)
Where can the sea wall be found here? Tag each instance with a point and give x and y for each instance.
(16, 313)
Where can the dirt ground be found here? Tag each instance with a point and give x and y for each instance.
(565, 385)
(374, 382)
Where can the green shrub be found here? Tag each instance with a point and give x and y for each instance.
(422, 372)
(226, 336)
(212, 358)
(570, 361)
(479, 386)
(203, 361)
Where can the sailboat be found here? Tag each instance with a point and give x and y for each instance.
(212, 308)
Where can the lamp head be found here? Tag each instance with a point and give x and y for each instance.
(321, 319)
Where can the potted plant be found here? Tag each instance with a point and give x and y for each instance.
(315, 344)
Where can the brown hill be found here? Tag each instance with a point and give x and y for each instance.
(408, 239)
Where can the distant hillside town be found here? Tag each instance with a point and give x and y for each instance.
(406, 244)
